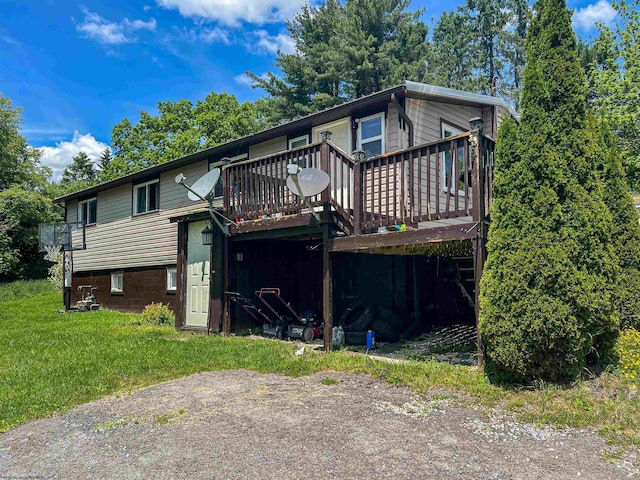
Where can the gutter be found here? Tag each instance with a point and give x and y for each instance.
(404, 116)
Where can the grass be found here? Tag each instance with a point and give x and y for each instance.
(51, 362)
(24, 289)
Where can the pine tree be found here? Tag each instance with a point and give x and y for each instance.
(105, 160)
(547, 289)
(81, 169)
(343, 52)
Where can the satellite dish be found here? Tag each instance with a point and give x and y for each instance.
(203, 187)
(311, 181)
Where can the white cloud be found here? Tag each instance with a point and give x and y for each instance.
(58, 157)
(112, 33)
(234, 12)
(273, 43)
(246, 81)
(215, 35)
(586, 17)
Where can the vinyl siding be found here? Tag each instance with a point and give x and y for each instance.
(393, 130)
(426, 117)
(340, 134)
(120, 240)
(267, 148)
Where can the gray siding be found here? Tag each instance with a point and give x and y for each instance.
(394, 133)
(426, 117)
(267, 148)
(120, 240)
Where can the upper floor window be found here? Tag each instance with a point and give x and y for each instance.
(87, 211)
(298, 142)
(371, 135)
(146, 197)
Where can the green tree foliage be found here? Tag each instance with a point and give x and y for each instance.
(21, 210)
(478, 42)
(104, 163)
(180, 128)
(19, 163)
(615, 81)
(80, 170)
(548, 285)
(626, 228)
(344, 51)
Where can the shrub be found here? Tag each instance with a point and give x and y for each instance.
(158, 314)
(628, 352)
(547, 291)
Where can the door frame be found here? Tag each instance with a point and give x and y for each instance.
(217, 278)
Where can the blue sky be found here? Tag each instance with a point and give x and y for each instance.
(77, 69)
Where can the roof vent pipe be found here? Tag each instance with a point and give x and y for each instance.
(404, 116)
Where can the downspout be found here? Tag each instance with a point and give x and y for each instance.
(404, 116)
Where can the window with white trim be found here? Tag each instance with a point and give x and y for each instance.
(146, 197)
(371, 135)
(172, 279)
(117, 282)
(300, 141)
(297, 142)
(87, 211)
(449, 182)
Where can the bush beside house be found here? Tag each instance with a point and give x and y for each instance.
(551, 276)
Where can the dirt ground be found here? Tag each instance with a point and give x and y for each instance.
(244, 425)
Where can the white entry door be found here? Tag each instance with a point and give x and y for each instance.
(198, 268)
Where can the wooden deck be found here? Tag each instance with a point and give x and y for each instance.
(444, 186)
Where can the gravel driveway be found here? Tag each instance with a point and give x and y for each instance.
(244, 425)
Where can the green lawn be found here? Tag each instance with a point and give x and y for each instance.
(50, 362)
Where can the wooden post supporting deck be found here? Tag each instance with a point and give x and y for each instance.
(327, 274)
(479, 216)
(327, 289)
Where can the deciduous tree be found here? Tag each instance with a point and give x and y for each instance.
(180, 128)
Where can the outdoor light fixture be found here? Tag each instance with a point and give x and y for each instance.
(476, 123)
(207, 235)
(358, 155)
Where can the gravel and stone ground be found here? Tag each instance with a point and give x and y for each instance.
(244, 425)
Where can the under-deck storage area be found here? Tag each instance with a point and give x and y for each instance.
(409, 294)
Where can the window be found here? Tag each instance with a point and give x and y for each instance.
(457, 169)
(172, 279)
(117, 282)
(298, 142)
(145, 197)
(87, 210)
(371, 135)
(302, 160)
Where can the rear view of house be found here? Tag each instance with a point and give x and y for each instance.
(401, 223)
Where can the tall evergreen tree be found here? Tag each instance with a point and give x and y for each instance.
(81, 169)
(547, 289)
(479, 42)
(104, 162)
(343, 52)
(626, 228)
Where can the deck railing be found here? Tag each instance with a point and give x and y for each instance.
(427, 182)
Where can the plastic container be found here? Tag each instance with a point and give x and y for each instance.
(337, 336)
(371, 340)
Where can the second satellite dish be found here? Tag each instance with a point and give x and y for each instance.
(311, 180)
(204, 185)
